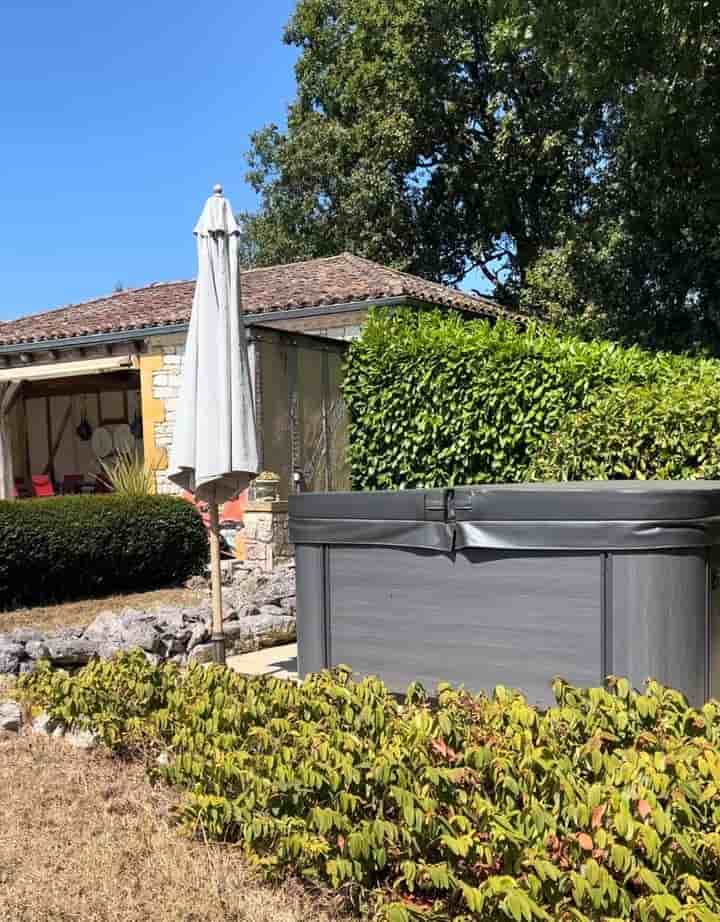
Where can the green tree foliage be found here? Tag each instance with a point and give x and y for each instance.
(469, 808)
(435, 400)
(569, 149)
(75, 547)
(425, 135)
(643, 259)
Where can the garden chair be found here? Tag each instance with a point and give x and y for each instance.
(42, 485)
(72, 483)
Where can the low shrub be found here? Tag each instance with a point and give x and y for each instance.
(606, 806)
(77, 547)
(435, 400)
(670, 433)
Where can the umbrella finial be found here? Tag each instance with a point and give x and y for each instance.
(217, 189)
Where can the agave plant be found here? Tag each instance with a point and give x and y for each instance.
(129, 475)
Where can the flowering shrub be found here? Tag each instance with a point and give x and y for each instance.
(467, 807)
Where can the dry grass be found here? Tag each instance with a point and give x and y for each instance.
(84, 838)
(78, 614)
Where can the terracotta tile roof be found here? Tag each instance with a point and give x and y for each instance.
(314, 283)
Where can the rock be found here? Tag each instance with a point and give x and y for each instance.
(129, 630)
(74, 651)
(10, 717)
(196, 584)
(109, 648)
(25, 635)
(45, 725)
(82, 739)
(105, 626)
(200, 633)
(36, 649)
(259, 610)
(276, 586)
(27, 666)
(141, 635)
(202, 653)
(10, 656)
(240, 637)
(193, 615)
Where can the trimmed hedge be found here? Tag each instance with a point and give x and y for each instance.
(640, 434)
(606, 806)
(76, 547)
(436, 400)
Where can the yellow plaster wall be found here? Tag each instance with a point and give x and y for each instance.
(153, 411)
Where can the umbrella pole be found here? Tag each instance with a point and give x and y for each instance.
(218, 635)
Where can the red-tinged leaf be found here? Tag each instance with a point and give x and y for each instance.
(440, 747)
(597, 816)
(341, 843)
(444, 751)
(644, 808)
(585, 842)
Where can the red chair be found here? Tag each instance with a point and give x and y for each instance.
(42, 485)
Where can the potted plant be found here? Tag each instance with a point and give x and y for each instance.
(267, 486)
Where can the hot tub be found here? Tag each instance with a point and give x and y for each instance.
(513, 584)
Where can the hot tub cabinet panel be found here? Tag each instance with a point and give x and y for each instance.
(511, 585)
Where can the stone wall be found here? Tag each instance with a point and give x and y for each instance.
(346, 325)
(161, 369)
(265, 538)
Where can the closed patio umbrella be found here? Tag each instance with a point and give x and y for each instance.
(214, 450)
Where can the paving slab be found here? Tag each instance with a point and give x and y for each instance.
(279, 662)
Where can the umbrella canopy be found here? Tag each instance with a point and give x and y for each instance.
(214, 452)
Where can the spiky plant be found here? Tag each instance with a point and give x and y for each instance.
(129, 475)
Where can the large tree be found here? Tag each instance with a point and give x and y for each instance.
(642, 262)
(569, 149)
(426, 134)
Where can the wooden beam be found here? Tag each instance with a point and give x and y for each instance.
(83, 384)
(50, 466)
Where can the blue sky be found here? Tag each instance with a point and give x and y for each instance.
(116, 119)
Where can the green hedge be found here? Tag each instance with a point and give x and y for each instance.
(436, 400)
(82, 546)
(643, 433)
(474, 808)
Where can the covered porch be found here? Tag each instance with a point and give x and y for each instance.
(63, 419)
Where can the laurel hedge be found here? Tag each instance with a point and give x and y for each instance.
(75, 547)
(604, 807)
(642, 433)
(437, 400)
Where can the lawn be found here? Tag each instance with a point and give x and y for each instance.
(78, 614)
(85, 837)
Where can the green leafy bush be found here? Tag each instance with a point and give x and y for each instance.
(606, 806)
(81, 546)
(435, 400)
(640, 433)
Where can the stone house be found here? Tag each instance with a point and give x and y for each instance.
(114, 363)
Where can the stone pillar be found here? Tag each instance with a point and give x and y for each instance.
(265, 541)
